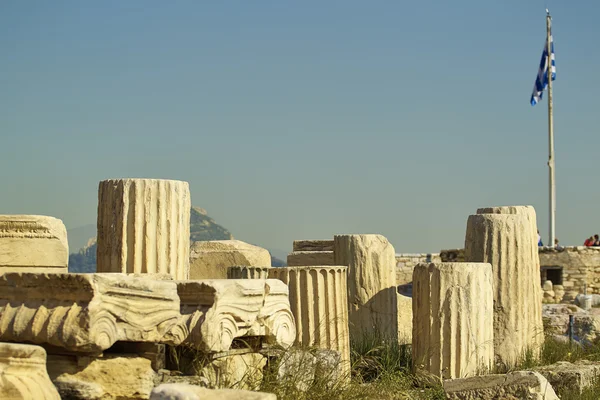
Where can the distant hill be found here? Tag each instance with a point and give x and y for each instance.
(78, 237)
(85, 259)
(202, 228)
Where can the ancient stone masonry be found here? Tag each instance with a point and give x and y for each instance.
(576, 269)
(87, 312)
(313, 245)
(23, 373)
(372, 302)
(238, 272)
(522, 385)
(215, 312)
(311, 252)
(572, 269)
(506, 238)
(112, 376)
(308, 258)
(406, 263)
(33, 243)
(453, 319)
(210, 259)
(144, 226)
(318, 298)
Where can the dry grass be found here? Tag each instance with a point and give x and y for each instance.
(381, 369)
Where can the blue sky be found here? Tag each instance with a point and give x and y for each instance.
(297, 120)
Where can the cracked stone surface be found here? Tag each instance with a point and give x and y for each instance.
(520, 385)
(453, 332)
(33, 243)
(372, 302)
(506, 238)
(23, 373)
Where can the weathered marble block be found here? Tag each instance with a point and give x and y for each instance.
(144, 226)
(310, 258)
(453, 331)
(210, 259)
(506, 237)
(319, 302)
(313, 245)
(110, 377)
(372, 302)
(33, 243)
(217, 311)
(87, 312)
(23, 373)
(522, 385)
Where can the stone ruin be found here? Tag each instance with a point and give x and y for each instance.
(107, 334)
(159, 302)
(453, 333)
(505, 237)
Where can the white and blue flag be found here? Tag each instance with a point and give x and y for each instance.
(541, 82)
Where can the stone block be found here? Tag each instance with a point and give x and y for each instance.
(559, 292)
(453, 319)
(23, 373)
(87, 312)
(215, 312)
(405, 319)
(118, 377)
(211, 259)
(328, 369)
(33, 243)
(180, 391)
(319, 302)
(506, 237)
(547, 286)
(313, 245)
(297, 367)
(566, 377)
(241, 371)
(522, 385)
(372, 303)
(310, 258)
(155, 352)
(144, 226)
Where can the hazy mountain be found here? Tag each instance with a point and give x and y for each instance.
(78, 237)
(82, 241)
(203, 227)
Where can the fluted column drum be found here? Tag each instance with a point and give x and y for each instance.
(242, 272)
(144, 226)
(506, 237)
(372, 292)
(453, 319)
(319, 302)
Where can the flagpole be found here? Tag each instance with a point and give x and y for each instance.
(550, 132)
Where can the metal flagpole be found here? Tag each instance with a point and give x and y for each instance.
(550, 132)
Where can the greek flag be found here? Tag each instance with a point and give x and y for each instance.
(541, 81)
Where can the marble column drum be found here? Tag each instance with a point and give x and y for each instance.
(506, 237)
(144, 227)
(453, 319)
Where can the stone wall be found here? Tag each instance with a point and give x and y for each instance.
(576, 268)
(406, 262)
(572, 267)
